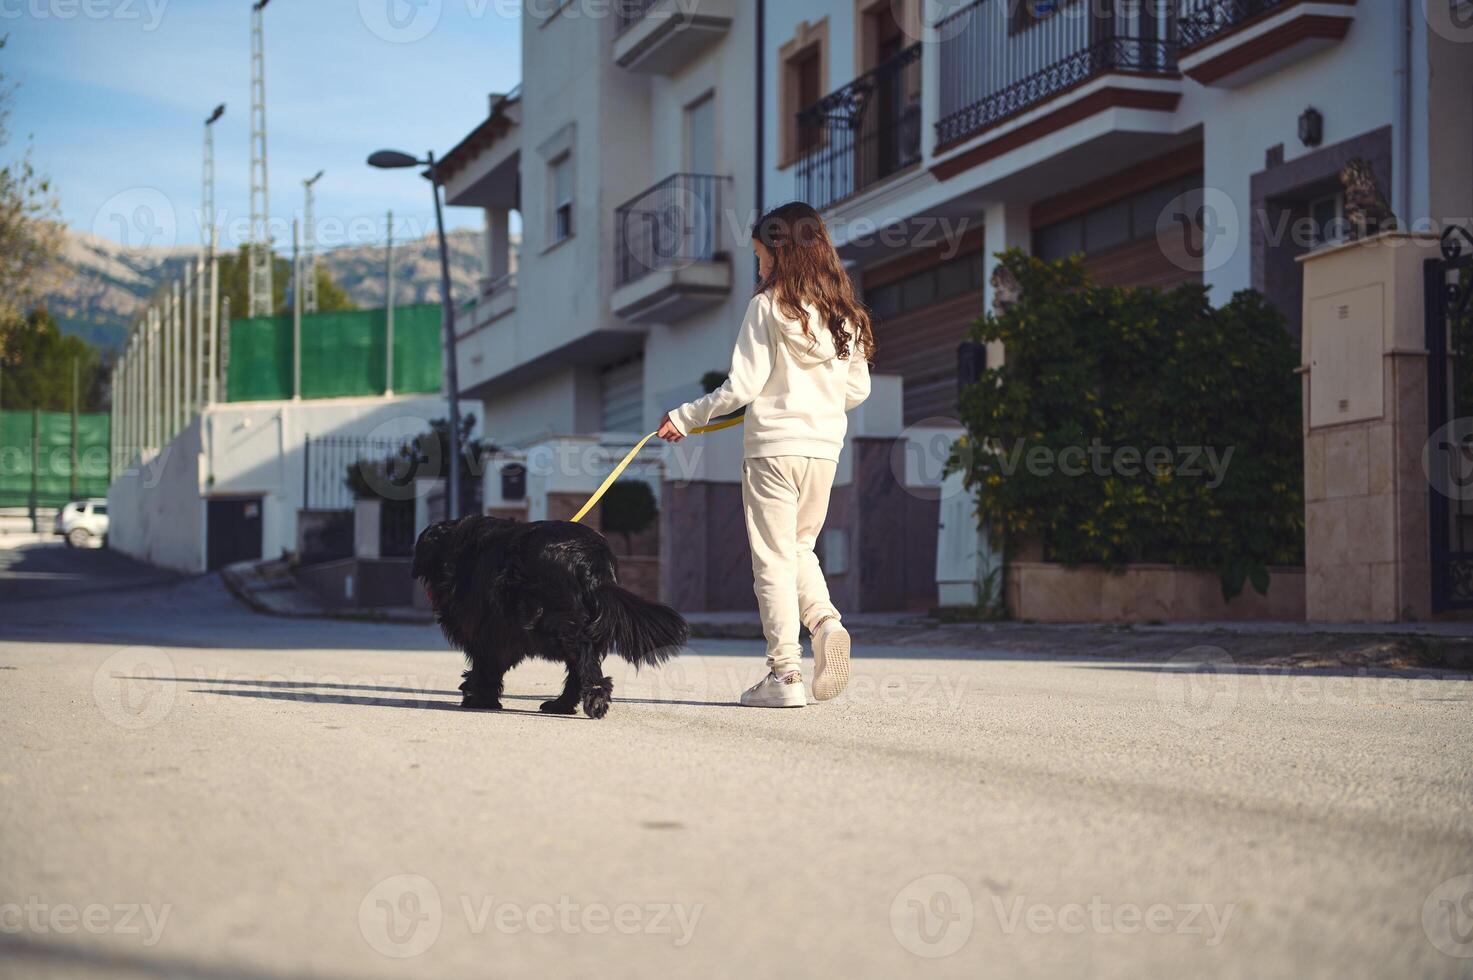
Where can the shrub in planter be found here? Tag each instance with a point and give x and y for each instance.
(1132, 425)
(628, 508)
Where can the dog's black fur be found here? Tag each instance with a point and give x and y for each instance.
(506, 590)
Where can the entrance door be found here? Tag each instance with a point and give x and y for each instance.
(233, 530)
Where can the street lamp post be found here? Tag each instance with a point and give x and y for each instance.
(394, 160)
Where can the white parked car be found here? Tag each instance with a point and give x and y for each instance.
(83, 523)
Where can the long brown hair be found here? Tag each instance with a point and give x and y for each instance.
(806, 269)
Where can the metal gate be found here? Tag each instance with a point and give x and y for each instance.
(1449, 454)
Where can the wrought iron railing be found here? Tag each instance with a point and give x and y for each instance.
(1202, 20)
(863, 133)
(1000, 58)
(627, 13)
(672, 225)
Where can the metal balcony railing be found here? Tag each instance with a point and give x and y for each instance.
(630, 12)
(1000, 58)
(674, 224)
(863, 133)
(1202, 20)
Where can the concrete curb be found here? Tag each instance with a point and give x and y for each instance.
(269, 588)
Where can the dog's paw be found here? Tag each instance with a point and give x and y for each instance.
(559, 707)
(597, 698)
(479, 702)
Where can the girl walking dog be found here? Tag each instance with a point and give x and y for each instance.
(801, 362)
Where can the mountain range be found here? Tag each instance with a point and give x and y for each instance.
(99, 285)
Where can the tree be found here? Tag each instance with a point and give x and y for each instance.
(36, 366)
(30, 234)
(1132, 425)
(235, 285)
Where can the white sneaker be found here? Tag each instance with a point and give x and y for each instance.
(777, 692)
(830, 660)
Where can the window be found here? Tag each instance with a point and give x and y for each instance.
(562, 198)
(955, 277)
(804, 70)
(700, 135)
(1121, 222)
(100, 510)
(802, 73)
(1328, 217)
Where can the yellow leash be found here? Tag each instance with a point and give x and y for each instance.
(629, 458)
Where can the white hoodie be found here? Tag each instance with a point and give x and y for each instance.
(796, 389)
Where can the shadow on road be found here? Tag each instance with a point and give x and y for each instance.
(293, 691)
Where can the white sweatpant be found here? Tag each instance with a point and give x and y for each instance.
(786, 499)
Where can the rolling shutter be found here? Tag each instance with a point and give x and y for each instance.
(621, 397)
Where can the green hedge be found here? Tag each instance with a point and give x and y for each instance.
(1131, 425)
(54, 454)
(342, 354)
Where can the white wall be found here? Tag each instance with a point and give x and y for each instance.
(678, 354)
(157, 514)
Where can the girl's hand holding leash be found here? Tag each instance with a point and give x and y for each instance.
(668, 431)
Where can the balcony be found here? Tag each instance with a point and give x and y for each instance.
(1229, 43)
(1000, 60)
(660, 37)
(498, 299)
(668, 259)
(865, 132)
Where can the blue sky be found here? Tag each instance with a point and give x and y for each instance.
(115, 93)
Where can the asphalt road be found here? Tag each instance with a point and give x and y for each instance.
(190, 789)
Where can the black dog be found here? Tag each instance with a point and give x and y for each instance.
(506, 590)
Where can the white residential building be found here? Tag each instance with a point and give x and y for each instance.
(1166, 140)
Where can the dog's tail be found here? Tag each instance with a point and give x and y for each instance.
(644, 633)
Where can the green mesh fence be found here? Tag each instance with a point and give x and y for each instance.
(342, 354)
(51, 457)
